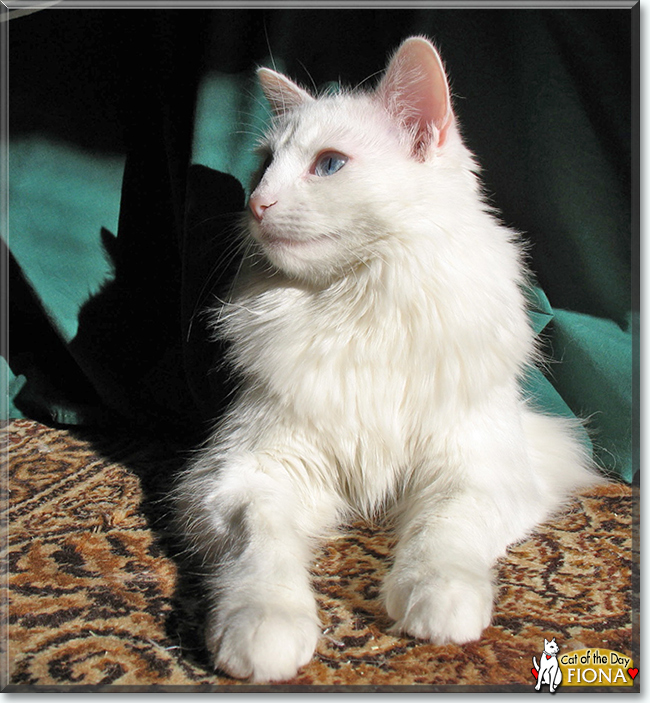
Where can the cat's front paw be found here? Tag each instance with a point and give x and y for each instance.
(263, 642)
(441, 608)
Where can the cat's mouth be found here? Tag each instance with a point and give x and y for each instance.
(277, 241)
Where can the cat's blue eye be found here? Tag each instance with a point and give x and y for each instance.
(329, 163)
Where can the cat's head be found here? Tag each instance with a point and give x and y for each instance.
(341, 171)
(551, 647)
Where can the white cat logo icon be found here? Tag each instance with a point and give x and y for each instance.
(548, 670)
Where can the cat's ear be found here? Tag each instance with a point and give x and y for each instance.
(546, 642)
(415, 90)
(283, 94)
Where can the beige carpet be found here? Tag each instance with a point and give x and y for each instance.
(97, 597)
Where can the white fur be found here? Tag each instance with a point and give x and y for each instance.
(380, 332)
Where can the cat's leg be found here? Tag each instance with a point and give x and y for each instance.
(457, 521)
(440, 587)
(556, 677)
(255, 528)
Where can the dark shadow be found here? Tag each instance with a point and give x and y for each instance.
(143, 339)
(210, 260)
(55, 386)
(164, 408)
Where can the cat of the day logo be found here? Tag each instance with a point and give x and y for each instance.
(582, 667)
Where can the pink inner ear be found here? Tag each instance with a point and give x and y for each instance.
(415, 89)
(281, 92)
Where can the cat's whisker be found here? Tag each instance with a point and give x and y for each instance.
(227, 303)
(229, 254)
(365, 80)
(311, 79)
(268, 46)
(216, 218)
(267, 114)
(242, 132)
(259, 120)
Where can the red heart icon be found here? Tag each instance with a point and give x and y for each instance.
(633, 673)
(535, 674)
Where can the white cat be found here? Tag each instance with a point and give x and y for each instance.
(380, 332)
(548, 669)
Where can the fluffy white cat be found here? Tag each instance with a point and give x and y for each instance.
(380, 333)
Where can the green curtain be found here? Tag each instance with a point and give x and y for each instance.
(130, 153)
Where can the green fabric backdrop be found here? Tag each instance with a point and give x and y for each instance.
(130, 139)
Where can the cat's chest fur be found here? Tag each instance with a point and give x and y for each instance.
(346, 371)
(346, 351)
(371, 365)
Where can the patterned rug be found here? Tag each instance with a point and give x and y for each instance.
(98, 597)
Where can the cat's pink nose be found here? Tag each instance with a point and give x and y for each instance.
(259, 206)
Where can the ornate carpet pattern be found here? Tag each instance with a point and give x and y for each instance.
(98, 596)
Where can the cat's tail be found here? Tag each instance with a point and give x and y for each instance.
(560, 454)
(536, 665)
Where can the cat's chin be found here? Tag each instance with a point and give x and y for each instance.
(306, 259)
(273, 242)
